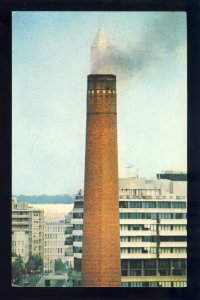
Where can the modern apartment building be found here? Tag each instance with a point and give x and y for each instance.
(27, 230)
(153, 233)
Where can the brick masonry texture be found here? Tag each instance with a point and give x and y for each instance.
(101, 233)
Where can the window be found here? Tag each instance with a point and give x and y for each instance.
(163, 272)
(149, 264)
(163, 263)
(78, 227)
(124, 250)
(124, 284)
(135, 272)
(153, 284)
(149, 272)
(135, 204)
(178, 204)
(136, 264)
(164, 204)
(123, 204)
(78, 215)
(179, 264)
(153, 250)
(146, 238)
(124, 272)
(135, 227)
(124, 264)
(149, 204)
(179, 284)
(165, 283)
(136, 284)
(124, 227)
(124, 239)
(134, 250)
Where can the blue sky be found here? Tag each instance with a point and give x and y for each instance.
(51, 61)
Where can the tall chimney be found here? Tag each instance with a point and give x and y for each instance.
(101, 231)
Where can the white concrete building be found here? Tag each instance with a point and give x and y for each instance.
(20, 244)
(153, 231)
(58, 243)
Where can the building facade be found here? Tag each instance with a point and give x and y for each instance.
(58, 243)
(153, 233)
(27, 230)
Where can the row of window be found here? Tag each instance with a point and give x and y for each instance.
(154, 250)
(151, 263)
(77, 238)
(53, 250)
(54, 243)
(78, 204)
(145, 194)
(54, 228)
(77, 249)
(151, 204)
(77, 215)
(153, 272)
(153, 216)
(26, 213)
(78, 226)
(152, 238)
(101, 91)
(155, 284)
(18, 220)
(54, 236)
(152, 227)
(18, 243)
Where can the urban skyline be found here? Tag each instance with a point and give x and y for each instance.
(51, 53)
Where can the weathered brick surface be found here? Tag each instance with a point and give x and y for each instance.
(101, 236)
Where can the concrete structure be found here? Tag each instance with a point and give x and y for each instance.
(153, 226)
(53, 280)
(27, 229)
(20, 244)
(58, 242)
(153, 232)
(54, 244)
(101, 239)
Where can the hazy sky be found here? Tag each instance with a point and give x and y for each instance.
(51, 61)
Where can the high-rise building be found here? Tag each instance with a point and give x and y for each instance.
(101, 239)
(153, 233)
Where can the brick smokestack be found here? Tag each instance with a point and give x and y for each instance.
(101, 231)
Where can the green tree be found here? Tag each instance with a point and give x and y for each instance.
(34, 264)
(17, 269)
(59, 266)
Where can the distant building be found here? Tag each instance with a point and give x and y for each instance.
(57, 243)
(153, 232)
(20, 244)
(27, 230)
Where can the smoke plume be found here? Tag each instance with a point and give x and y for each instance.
(161, 37)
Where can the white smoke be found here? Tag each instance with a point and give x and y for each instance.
(164, 35)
